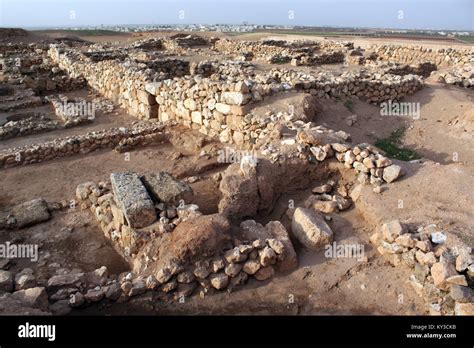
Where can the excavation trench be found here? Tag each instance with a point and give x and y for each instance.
(321, 284)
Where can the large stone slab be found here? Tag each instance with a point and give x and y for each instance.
(164, 188)
(133, 198)
(29, 213)
(310, 229)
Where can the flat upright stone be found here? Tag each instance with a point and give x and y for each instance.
(133, 198)
(164, 188)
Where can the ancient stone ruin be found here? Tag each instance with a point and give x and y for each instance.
(214, 185)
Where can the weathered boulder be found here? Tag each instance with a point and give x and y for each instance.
(194, 239)
(440, 272)
(165, 188)
(310, 229)
(132, 197)
(239, 193)
(33, 297)
(29, 213)
(69, 280)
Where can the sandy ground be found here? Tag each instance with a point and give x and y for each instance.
(437, 190)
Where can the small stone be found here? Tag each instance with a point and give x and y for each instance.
(60, 308)
(245, 249)
(425, 259)
(163, 275)
(424, 245)
(389, 248)
(113, 291)
(441, 271)
(409, 258)
(382, 161)
(77, 300)
(233, 269)
(151, 282)
(264, 273)
(94, 295)
(201, 271)
(375, 238)
(138, 287)
(406, 240)
(219, 281)
(276, 245)
(463, 260)
(170, 286)
(391, 230)
(392, 173)
(378, 189)
(322, 189)
(258, 244)
(6, 281)
(326, 207)
(25, 280)
(238, 280)
(342, 203)
(340, 147)
(185, 277)
(126, 287)
(267, 256)
(251, 267)
(218, 265)
(235, 256)
(438, 237)
(457, 279)
(185, 290)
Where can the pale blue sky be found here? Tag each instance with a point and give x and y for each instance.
(416, 14)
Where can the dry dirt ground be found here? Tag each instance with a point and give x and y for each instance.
(436, 189)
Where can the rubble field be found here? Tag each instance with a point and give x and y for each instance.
(191, 174)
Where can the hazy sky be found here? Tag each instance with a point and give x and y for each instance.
(410, 14)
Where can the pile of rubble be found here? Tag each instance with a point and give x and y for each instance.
(372, 166)
(173, 247)
(463, 77)
(441, 275)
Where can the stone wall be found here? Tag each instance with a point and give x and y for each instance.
(140, 134)
(219, 107)
(280, 52)
(443, 57)
(120, 81)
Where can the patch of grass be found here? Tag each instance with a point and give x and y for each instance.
(349, 105)
(392, 146)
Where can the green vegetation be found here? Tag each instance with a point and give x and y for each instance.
(392, 146)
